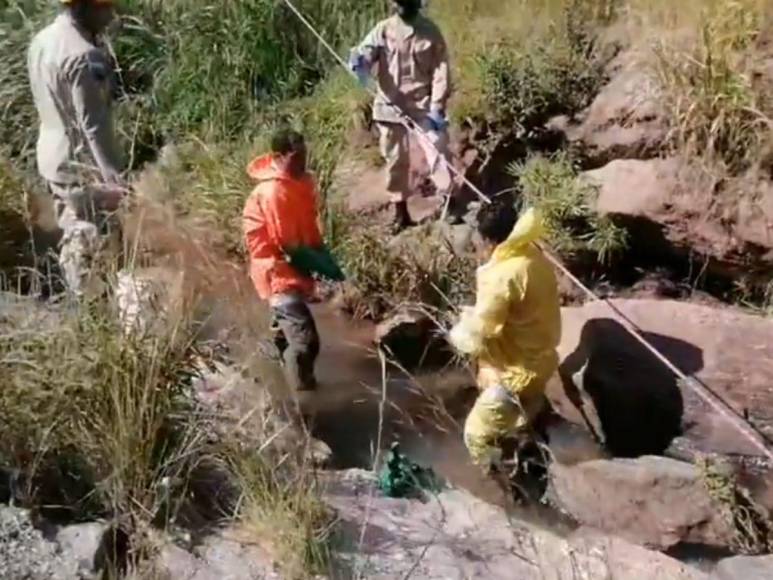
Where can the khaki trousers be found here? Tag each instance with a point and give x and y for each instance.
(395, 145)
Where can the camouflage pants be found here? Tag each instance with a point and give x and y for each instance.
(90, 228)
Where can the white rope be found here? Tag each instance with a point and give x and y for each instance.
(702, 390)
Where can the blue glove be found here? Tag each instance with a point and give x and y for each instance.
(437, 121)
(359, 66)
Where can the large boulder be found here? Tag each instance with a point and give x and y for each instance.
(744, 568)
(454, 535)
(653, 501)
(637, 405)
(624, 121)
(671, 210)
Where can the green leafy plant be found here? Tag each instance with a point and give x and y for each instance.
(567, 204)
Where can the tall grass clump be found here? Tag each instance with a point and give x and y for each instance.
(567, 203)
(716, 110)
(282, 510)
(97, 423)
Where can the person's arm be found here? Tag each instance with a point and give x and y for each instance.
(90, 93)
(441, 78)
(372, 45)
(486, 319)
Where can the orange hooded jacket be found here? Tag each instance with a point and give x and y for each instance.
(280, 213)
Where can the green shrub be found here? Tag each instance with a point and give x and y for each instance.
(567, 204)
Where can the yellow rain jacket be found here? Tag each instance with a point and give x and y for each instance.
(513, 331)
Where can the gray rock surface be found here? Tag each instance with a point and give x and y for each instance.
(81, 542)
(456, 536)
(652, 501)
(217, 558)
(744, 568)
(26, 555)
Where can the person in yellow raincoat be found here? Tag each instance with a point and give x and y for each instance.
(513, 331)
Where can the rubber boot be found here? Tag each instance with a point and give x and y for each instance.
(402, 218)
(454, 215)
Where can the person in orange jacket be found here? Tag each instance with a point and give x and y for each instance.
(280, 215)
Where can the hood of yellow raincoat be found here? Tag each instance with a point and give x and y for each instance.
(528, 229)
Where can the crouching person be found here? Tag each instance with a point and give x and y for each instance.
(512, 331)
(280, 216)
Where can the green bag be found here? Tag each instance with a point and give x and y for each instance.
(400, 477)
(315, 262)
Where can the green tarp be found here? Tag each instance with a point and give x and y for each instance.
(315, 263)
(400, 477)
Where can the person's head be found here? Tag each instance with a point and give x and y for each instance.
(495, 223)
(289, 150)
(407, 9)
(94, 15)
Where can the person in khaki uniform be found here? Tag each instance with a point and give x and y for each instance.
(72, 79)
(409, 56)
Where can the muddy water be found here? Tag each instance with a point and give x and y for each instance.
(361, 407)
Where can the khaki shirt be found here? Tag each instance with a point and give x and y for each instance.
(72, 80)
(411, 62)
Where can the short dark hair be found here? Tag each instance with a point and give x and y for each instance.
(496, 221)
(285, 140)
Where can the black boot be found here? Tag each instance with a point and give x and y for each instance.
(402, 219)
(455, 211)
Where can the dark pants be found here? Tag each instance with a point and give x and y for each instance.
(296, 338)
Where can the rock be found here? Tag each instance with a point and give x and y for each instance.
(662, 203)
(652, 501)
(82, 542)
(217, 558)
(147, 299)
(454, 535)
(411, 338)
(26, 555)
(624, 121)
(744, 568)
(623, 387)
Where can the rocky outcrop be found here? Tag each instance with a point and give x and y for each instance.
(217, 558)
(412, 339)
(26, 555)
(624, 121)
(82, 542)
(636, 403)
(453, 535)
(652, 501)
(744, 568)
(672, 212)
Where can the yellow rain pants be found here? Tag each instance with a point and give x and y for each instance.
(513, 331)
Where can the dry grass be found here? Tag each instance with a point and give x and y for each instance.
(751, 523)
(383, 273)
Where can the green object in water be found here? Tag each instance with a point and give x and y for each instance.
(317, 262)
(400, 477)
